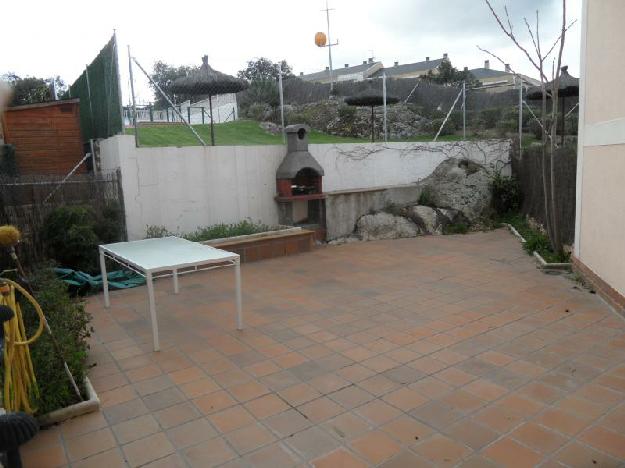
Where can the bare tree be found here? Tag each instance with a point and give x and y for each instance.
(539, 58)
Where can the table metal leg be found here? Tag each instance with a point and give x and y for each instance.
(105, 281)
(175, 275)
(237, 279)
(152, 310)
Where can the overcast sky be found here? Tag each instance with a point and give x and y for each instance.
(44, 39)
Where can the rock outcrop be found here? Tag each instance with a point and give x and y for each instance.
(411, 221)
(462, 185)
(385, 226)
(433, 220)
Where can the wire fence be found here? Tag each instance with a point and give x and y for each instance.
(26, 202)
(527, 167)
(407, 109)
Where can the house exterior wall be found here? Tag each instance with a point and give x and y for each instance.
(184, 188)
(600, 218)
(46, 136)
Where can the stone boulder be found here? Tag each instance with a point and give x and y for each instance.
(385, 226)
(433, 220)
(271, 127)
(460, 184)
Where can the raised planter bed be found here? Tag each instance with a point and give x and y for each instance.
(270, 244)
(542, 263)
(88, 406)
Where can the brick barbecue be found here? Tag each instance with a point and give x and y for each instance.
(299, 183)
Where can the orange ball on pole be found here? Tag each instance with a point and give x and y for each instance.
(320, 39)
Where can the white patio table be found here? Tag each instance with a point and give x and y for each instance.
(168, 256)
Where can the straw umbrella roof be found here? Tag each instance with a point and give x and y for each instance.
(568, 86)
(207, 81)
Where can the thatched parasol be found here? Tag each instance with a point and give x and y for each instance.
(568, 87)
(208, 82)
(371, 99)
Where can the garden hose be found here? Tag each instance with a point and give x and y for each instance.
(19, 377)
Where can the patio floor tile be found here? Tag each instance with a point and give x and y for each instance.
(151, 448)
(507, 452)
(442, 450)
(209, 453)
(439, 350)
(339, 458)
(375, 447)
(231, 419)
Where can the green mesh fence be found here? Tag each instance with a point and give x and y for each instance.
(99, 92)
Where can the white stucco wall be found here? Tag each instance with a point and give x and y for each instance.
(184, 188)
(600, 220)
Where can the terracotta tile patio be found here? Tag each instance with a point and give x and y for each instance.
(435, 351)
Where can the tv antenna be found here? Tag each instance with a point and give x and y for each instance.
(329, 44)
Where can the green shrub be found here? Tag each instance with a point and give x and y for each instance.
(433, 126)
(490, 117)
(219, 231)
(455, 228)
(506, 126)
(535, 241)
(154, 231)
(347, 113)
(536, 129)
(455, 120)
(427, 197)
(70, 237)
(506, 194)
(109, 224)
(69, 322)
(8, 164)
(71, 234)
(216, 231)
(257, 111)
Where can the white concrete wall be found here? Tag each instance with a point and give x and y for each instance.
(184, 188)
(600, 217)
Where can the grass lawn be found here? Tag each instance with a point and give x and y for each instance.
(240, 132)
(248, 132)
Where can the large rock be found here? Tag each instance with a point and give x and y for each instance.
(433, 220)
(462, 185)
(385, 226)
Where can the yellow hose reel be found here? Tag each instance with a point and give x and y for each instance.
(19, 377)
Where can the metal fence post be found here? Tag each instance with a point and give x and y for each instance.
(134, 104)
(281, 106)
(202, 115)
(151, 113)
(464, 110)
(189, 113)
(384, 102)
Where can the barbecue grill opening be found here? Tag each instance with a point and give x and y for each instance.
(306, 182)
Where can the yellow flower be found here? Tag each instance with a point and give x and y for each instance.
(9, 235)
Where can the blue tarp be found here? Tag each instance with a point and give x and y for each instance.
(117, 279)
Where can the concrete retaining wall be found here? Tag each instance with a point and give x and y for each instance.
(182, 188)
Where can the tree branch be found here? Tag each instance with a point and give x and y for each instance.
(513, 38)
(555, 43)
(529, 30)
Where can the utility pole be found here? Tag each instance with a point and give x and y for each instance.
(327, 10)
(464, 110)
